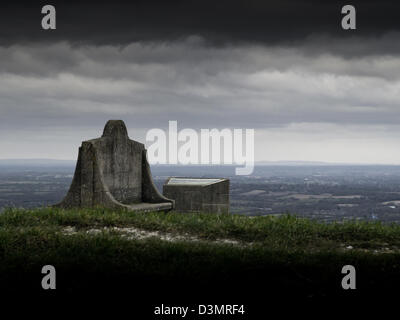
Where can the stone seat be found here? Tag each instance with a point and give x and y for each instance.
(113, 172)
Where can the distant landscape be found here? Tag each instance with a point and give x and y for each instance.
(319, 191)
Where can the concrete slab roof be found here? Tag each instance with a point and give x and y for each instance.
(194, 181)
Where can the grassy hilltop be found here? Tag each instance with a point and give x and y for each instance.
(102, 249)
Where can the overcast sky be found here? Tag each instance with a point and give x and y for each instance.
(311, 90)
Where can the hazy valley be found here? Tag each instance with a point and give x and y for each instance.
(324, 192)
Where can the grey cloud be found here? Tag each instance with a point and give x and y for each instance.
(284, 68)
(200, 86)
(220, 23)
(193, 56)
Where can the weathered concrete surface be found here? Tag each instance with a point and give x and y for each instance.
(113, 171)
(209, 197)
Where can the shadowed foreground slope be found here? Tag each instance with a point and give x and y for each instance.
(169, 257)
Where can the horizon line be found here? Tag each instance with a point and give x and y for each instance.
(261, 162)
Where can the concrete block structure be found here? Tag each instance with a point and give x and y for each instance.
(210, 195)
(113, 172)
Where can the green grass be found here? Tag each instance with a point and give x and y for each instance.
(287, 231)
(285, 250)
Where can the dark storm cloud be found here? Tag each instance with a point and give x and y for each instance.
(246, 86)
(286, 69)
(218, 22)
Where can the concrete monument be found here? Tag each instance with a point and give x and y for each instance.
(209, 195)
(113, 172)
